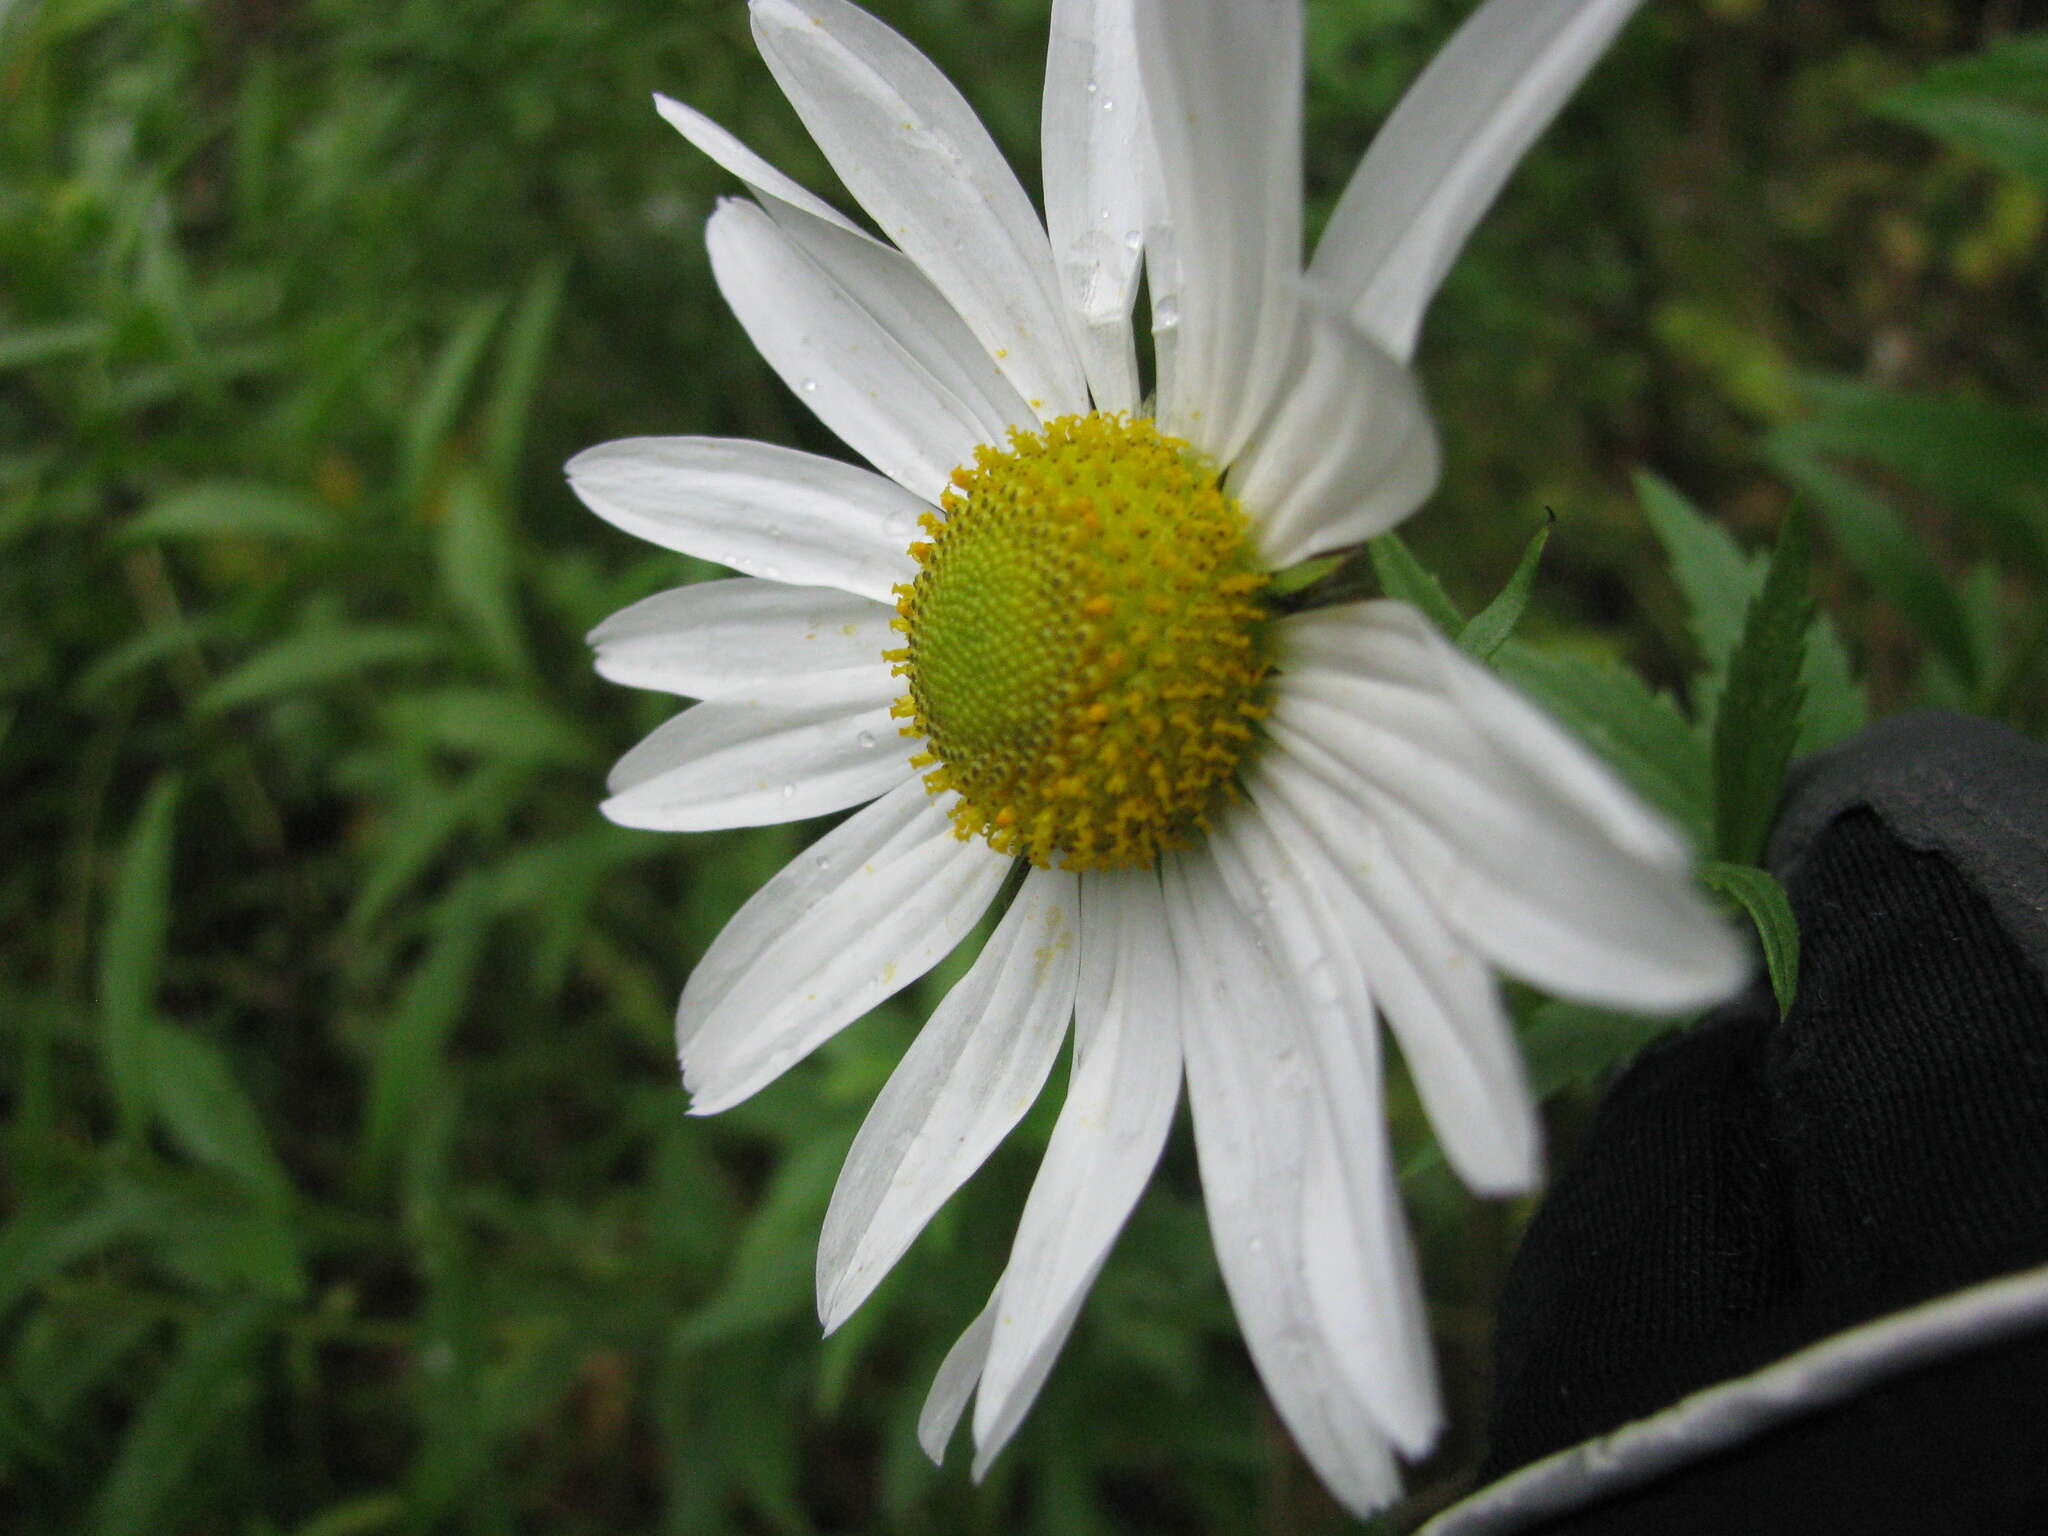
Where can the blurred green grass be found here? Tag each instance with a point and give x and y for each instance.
(348, 1187)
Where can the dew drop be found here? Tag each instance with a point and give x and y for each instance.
(823, 862)
(866, 740)
(1091, 87)
(1135, 240)
(810, 386)
(1108, 105)
(1165, 315)
(789, 791)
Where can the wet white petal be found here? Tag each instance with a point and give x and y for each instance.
(881, 281)
(716, 637)
(974, 1069)
(912, 151)
(779, 751)
(771, 512)
(1348, 451)
(1360, 1268)
(1111, 1129)
(1437, 994)
(1449, 147)
(1255, 1115)
(860, 915)
(841, 358)
(1529, 879)
(1094, 139)
(763, 179)
(1222, 85)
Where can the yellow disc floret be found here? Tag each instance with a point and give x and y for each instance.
(1084, 643)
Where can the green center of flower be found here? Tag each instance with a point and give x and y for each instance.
(1083, 644)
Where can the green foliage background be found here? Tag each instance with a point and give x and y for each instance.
(347, 1183)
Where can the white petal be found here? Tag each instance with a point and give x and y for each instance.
(1255, 1113)
(715, 637)
(954, 1384)
(909, 147)
(880, 280)
(763, 179)
(868, 909)
(1435, 991)
(1094, 136)
(1222, 85)
(771, 512)
(1361, 1269)
(779, 751)
(1395, 642)
(1536, 885)
(1348, 452)
(974, 1069)
(1451, 144)
(1119, 1107)
(837, 354)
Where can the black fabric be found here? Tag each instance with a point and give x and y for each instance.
(1750, 1186)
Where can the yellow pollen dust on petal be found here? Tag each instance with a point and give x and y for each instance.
(1084, 644)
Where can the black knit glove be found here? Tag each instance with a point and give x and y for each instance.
(1796, 1278)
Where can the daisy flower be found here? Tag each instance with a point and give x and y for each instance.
(1036, 637)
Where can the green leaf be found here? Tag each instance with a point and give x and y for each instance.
(773, 1273)
(132, 952)
(46, 1235)
(1758, 722)
(1718, 580)
(1489, 628)
(231, 509)
(527, 338)
(408, 1059)
(1641, 733)
(211, 1374)
(1566, 1044)
(1994, 102)
(433, 418)
(32, 346)
(1715, 576)
(1403, 576)
(314, 658)
(205, 1110)
(477, 568)
(1876, 541)
(1758, 893)
(492, 723)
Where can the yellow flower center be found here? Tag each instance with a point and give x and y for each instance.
(1083, 643)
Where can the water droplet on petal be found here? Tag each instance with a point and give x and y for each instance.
(1091, 87)
(810, 386)
(1108, 105)
(1165, 315)
(823, 862)
(789, 791)
(866, 740)
(1135, 240)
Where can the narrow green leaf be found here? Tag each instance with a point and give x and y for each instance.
(35, 345)
(231, 509)
(210, 1375)
(527, 338)
(314, 658)
(1641, 733)
(492, 722)
(1994, 102)
(1488, 629)
(432, 1003)
(772, 1274)
(1877, 542)
(132, 952)
(203, 1107)
(476, 557)
(47, 1235)
(1403, 576)
(448, 384)
(1758, 893)
(1758, 722)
